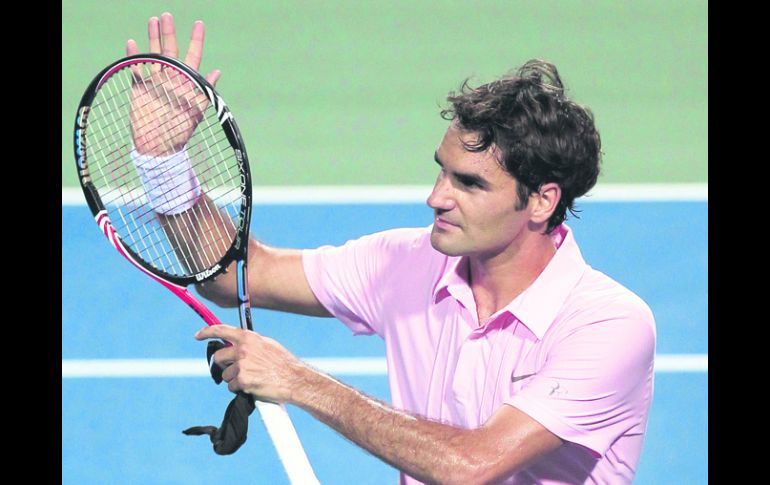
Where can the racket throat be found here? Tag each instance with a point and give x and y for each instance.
(244, 308)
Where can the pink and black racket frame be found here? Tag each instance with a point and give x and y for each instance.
(237, 251)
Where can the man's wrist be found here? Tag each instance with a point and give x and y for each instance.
(169, 181)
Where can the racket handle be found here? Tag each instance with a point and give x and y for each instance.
(274, 416)
(287, 444)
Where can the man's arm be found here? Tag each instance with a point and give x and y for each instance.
(276, 281)
(426, 450)
(276, 277)
(429, 451)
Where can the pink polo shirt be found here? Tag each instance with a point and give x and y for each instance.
(574, 351)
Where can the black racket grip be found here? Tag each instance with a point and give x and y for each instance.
(234, 429)
(216, 371)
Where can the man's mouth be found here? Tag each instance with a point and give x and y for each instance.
(442, 223)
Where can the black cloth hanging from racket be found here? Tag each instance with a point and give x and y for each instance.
(231, 434)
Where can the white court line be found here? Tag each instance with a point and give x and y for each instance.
(417, 194)
(682, 363)
(350, 366)
(347, 366)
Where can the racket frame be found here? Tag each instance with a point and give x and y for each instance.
(238, 249)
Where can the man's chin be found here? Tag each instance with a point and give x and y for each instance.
(441, 244)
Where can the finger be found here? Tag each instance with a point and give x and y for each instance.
(230, 373)
(233, 386)
(133, 49)
(168, 35)
(213, 76)
(195, 49)
(224, 357)
(225, 332)
(153, 34)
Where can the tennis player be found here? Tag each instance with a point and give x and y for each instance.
(510, 359)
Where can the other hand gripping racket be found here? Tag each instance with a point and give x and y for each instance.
(165, 173)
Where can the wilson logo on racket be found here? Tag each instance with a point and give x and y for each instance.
(223, 114)
(80, 140)
(205, 274)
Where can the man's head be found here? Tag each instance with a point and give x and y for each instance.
(535, 149)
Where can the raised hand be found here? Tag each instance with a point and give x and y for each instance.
(165, 109)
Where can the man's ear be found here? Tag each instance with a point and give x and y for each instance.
(544, 202)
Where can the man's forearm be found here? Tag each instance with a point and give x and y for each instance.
(200, 236)
(276, 282)
(429, 451)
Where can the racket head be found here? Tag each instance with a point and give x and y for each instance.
(111, 186)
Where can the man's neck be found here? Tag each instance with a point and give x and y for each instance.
(497, 280)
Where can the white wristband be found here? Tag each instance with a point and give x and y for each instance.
(170, 182)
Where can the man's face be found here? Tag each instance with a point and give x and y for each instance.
(474, 201)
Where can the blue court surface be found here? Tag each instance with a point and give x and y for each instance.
(127, 430)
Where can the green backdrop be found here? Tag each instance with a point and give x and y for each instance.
(348, 92)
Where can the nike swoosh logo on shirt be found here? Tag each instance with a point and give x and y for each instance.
(518, 378)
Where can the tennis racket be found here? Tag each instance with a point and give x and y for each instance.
(165, 173)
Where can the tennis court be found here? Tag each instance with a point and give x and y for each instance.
(128, 429)
(352, 102)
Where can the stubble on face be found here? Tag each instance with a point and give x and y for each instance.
(474, 199)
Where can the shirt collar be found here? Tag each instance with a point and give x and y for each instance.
(537, 306)
(454, 282)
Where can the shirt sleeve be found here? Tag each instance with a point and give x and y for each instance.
(596, 383)
(354, 281)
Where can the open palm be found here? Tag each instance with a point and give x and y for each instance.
(166, 106)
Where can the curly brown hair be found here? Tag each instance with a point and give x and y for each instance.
(542, 136)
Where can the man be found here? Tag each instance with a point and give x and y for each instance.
(510, 359)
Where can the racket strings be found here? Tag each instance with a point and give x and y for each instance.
(206, 140)
(181, 244)
(117, 178)
(169, 167)
(134, 226)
